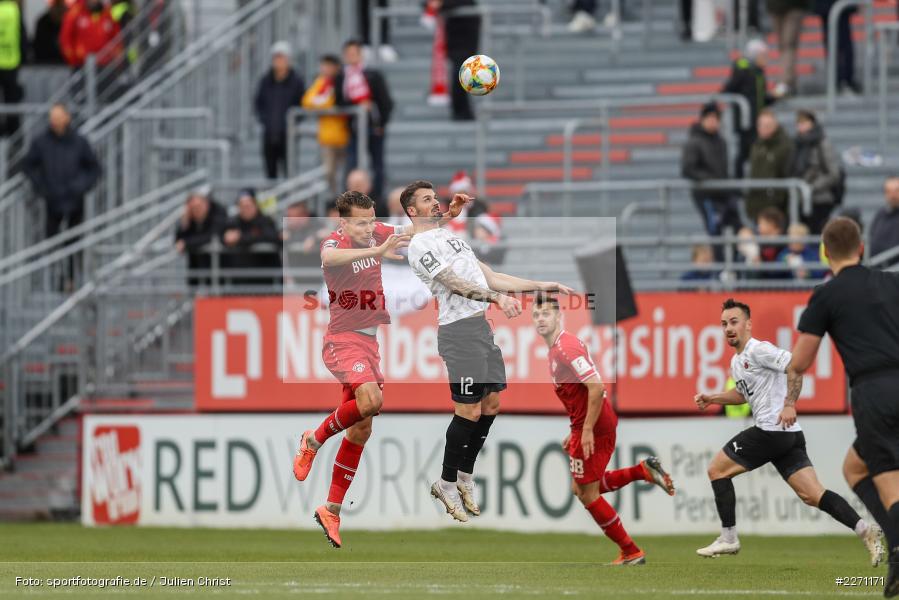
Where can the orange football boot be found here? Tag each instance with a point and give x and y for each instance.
(637, 558)
(302, 461)
(330, 524)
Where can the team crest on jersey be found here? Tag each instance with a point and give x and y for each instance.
(359, 367)
(745, 364)
(429, 262)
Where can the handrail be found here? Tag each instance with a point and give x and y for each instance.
(602, 105)
(295, 113)
(791, 184)
(883, 78)
(114, 214)
(218, 145)
(832, 19)
(887, 256)
(138, 96)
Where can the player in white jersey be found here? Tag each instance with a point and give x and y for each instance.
(760, 372)
(464, 287)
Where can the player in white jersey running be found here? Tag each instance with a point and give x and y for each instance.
(464, 288)
(759, 370)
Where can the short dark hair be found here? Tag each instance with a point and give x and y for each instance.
(409, 192)
(842, 238)
(774, 215)
(352, 42)
(731, 303)
(541, 299)
(347, 200)
(805, 114)
(330, 59)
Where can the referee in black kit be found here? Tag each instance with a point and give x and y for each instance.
(859, 308)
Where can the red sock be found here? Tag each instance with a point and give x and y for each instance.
(613, 480)
(345, 416)
(345, 464)
(608, 520)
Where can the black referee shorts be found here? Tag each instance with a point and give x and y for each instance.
(755, 447)
(875, 410)
(474, 363)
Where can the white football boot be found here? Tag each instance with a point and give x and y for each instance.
(466, 491)
(719, 547)
(873, 542)
(450, 500)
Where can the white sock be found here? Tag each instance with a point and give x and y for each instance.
(312, 442)
(464, 477)
(861, 528)
(729, 534)
(447, 486)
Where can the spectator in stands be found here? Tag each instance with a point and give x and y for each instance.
(704, 158)
(62, 168)
(46, 34)
(845, 46)
(463, 34)
(87, 27)
(701, 255)
(358, 180)
(385, 52)
(202, 221)
(585, 21)
(13, 52)
(747, 78)
(787, 16)
(884, 233)
(333, 130)
(799, 253)
(771, 157)
(301, 245)
(360, 85)
(246, 236)
(395, 213)
(278, 90)
(769, 224)
(816, 162)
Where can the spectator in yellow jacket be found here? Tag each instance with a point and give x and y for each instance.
(333, 130)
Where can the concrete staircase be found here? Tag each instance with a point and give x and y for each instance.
(44, 484)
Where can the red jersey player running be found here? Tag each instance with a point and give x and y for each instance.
(351, 261)
(592, 439)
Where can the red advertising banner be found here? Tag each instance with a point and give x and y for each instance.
(264, 354)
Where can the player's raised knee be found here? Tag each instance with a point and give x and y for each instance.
(369, 399)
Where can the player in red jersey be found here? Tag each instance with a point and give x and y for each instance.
(592, 439)
(351, 261)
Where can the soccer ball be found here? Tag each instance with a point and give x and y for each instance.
(479, 75)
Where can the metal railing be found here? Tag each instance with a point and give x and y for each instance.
(884, 31)
(295, 131)
(833, 18)
(601, 106)
(153, 35)
(799, 192)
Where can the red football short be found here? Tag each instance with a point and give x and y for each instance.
(352, 358)
(588, 470)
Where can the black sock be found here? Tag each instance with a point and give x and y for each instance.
(458, 435)
(867, 493)
(726, 501)
(837, 507)
(894, 523)
(478, 436)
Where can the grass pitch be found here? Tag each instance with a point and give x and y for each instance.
(454, 563)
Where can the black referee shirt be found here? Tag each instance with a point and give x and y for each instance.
(859, 308)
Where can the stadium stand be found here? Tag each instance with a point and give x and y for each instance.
(122, 341)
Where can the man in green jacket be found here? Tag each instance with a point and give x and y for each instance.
(771, 157)
(12, 54)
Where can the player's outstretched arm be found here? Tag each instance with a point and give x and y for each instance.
(511, 307)
(503, 282)
(728, 397)
(595, 393)
(335, 257)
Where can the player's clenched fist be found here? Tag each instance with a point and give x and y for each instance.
(702, 401)
(510, 306)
